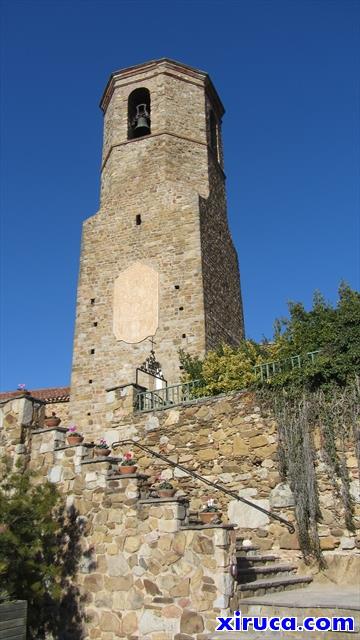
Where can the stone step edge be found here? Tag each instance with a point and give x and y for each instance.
(267, 568)
(271, 608)
(297, 608)
(253, 547)
(258, 558)
(274, 582)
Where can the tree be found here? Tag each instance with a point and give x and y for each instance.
(333, 332)
(38, 550)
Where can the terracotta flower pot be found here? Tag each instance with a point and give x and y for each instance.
(75, 439)
(52, 421)
(207, 517)
(98, 451)
(127, 469)
(166, 493)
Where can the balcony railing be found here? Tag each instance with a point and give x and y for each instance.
(172, 395)
(267, 370)
(177, 394)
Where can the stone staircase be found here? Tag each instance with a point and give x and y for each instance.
(258, 574)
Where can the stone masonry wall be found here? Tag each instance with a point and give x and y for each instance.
(144, 571)
(228, 440)
(61, 409)
(147, 570)
(224, 320)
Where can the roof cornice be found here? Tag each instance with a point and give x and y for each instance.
(161, 66)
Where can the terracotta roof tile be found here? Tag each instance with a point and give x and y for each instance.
(51, 394)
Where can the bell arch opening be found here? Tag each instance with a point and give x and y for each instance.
(139, 121)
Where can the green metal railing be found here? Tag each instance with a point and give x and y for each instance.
(168, 396)
(177, 394)
(266, 370)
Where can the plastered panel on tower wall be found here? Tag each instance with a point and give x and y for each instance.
(136, 303)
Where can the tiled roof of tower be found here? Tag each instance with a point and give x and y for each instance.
(51, 394)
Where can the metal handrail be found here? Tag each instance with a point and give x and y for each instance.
(215, 485)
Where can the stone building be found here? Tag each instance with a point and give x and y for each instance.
(157, 260)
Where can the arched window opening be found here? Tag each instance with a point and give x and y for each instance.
(213, 133)
(139, 123)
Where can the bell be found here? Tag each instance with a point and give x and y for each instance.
(141, 121)
(141, 127)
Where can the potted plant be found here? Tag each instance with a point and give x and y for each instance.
(210, 513)
(52, 421)
(22, 390)
(102, 448)
(165, 489)
(74, 436)
(127, 463)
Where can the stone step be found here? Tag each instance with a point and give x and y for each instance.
(264, 559)
(271, 585)
(317, 600)
(300, 613)
(247, 550)
(249, 574)
(240, 545)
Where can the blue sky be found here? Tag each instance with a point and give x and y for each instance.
(288, 74)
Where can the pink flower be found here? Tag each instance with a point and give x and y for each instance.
(128, 455)
(72, 429)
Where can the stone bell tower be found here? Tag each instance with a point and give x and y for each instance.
(157, 260)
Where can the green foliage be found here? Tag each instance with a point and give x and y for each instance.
(192, 366)
(335, 331)
(225, 369)
(321, 395)
(28, 544)
(36, 552)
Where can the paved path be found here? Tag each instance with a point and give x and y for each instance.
(317, 595)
